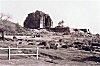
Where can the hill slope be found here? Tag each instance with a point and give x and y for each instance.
(10, 27)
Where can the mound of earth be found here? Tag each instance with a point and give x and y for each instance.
(10, 27)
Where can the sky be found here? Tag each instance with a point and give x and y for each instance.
(74, 13)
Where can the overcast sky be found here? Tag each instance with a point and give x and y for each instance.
(75, 13)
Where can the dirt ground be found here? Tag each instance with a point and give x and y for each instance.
(51, 57)
(33, 62)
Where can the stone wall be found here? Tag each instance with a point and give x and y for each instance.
(60, 30)
(38, 19)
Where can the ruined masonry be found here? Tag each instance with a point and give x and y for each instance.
(37, 20)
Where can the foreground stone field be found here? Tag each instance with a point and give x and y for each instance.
(67, 54)
(51, 57)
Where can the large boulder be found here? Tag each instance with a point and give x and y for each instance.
(38, 19)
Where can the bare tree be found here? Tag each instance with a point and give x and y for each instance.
(7, 17)
(1, 16)
(4, 16)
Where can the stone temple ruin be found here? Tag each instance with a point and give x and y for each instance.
(41, 20)
(38, 20)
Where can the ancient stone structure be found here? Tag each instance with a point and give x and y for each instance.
(38, 20)
(58, 29)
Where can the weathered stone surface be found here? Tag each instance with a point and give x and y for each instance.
(38, 19)
(65, 30)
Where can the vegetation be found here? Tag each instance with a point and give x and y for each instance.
(8, 26)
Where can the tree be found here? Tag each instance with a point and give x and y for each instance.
(17, 27)
(1, 15)
(61, 23)
(4, 16)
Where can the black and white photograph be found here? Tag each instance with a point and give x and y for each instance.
(49, 32)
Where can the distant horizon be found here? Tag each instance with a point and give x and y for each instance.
(75, 13)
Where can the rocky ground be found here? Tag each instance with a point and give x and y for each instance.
(49, 57)
(59, 57)
(69, 55)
